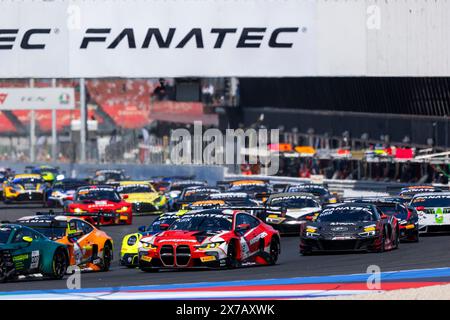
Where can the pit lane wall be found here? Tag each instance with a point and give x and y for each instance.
(339, 186)
(135, 171)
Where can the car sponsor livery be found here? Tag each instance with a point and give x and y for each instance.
(211, 238)
(433, 210)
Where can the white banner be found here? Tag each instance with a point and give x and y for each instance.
(153, 38)
(37, 98)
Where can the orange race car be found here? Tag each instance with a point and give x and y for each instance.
(89, 248)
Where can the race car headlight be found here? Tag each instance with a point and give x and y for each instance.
(369, 229)
(332, 200)
(311, 229)
(123, 209)
(211, 245)
(149, 246)
(79, 210)
(367, 234)
(132, 241)
(311, 232)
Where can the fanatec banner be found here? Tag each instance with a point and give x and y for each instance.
(37, 98)
(156, 38)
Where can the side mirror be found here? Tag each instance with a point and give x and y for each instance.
(164, 226)
(69, 198)
(243, 227)
(125, 196)
(27, 239)
(309, 218)
(420, 208)
(141, 229)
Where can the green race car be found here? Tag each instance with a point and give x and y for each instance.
(25, 251)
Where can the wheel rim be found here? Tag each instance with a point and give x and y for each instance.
(107, 256)
(274, 251)
(2, 269)
(59, 264)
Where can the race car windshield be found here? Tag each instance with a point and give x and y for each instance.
(394, 211)
(4, 235)
(98, 195)
(202, 223)
(433, 202)
(315, 191)
(181, 187)
(135, 189)
(50, 232)
(111, 176)
(294, 203)
(155, 226)
(68, 186)
(349, 215)
(249, 188)
(195, 196)
(27, 181)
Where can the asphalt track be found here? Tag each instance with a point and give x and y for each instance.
(430, 252)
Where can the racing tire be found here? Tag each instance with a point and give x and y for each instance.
(416, 237)
(231, 262)
(274, 251)
(397, 239)
(3, 270)
(107, 257)
(383, 243)
(60, 264)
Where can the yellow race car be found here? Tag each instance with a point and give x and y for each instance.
(142, 196)
(24, 188)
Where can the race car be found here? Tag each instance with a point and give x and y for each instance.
(408, 219)
(24, 188)
(176, 188)
(100, 204)
(212, 238)
(324, 195)
(192, 194)
(256, 189)
(142, 197)
(350, 227)
(48, 173)
(286, 211)
(57, 194)
(106, 176)
(237, 199)
(3, 179)
(88, 247)
(24, 251)
(408, 193)
(131, 242)
(433, 210)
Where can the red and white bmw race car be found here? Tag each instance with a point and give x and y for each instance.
(100, 205)
(211, 238)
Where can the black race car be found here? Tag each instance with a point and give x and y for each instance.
(350, 227)
(285, 212)
(193, 194)
(408, 193)
(406, 214)
(320, 191)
